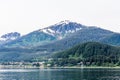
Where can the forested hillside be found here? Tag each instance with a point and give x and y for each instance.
(90, 53)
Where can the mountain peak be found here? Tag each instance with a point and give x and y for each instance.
(62, 28)
(10, 36)
(63, 22)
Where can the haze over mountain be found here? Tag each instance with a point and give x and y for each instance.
(47, 35)
(84, 35)
(55, 38)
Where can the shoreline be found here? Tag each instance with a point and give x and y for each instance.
(62, 67)
(88, 67)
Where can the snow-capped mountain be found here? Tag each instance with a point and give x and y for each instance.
(46, 41)
(61, 29)
(9, 37)
(47, 35)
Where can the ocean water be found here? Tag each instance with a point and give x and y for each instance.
(60, 74)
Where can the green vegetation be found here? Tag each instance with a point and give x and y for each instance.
(114, 39)
(92, 34)
(88, 54)
(40, 45)
(32, 39)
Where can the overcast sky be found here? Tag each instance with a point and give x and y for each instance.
(25, 16)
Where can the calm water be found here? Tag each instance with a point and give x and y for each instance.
(59, 74)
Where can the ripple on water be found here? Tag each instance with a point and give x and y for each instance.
(16, 70)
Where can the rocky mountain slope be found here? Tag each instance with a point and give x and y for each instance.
(47, 35)
(55, 38)
(9, 37)
(84, 35)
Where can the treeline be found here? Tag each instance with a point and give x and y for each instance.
(89, 54)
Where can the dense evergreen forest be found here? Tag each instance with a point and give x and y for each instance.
(88, 54)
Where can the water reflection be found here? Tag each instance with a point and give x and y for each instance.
(60, 74)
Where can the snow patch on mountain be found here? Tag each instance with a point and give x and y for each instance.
(63, 22)
(48, 31)
(62, 28)
(9, 37)
(3, 39)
